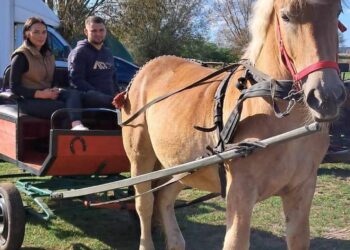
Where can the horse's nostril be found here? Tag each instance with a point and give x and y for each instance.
(312, 100)
(324, 106)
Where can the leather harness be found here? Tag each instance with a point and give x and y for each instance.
(266, 87)
(262, 86)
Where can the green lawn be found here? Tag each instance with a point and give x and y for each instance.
(203, 225)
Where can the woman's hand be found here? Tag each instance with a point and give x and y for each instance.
(47, 94)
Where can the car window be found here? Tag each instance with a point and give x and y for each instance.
(58, 49)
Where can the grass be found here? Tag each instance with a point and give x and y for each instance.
(347, 76)
(203, 225)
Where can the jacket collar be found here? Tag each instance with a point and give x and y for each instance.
(33, 50)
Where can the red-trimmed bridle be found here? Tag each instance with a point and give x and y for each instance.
(288, 62)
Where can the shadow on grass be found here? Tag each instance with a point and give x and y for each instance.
(80, 247)
(337, 172)
(118, 229)
(261, 240)
(115, 228)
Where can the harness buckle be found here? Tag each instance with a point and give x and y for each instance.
(296, 95)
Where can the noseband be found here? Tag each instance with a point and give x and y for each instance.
(288, 62)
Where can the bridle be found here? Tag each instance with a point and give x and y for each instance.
(288, 62)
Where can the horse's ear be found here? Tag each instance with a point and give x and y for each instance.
(119, 100)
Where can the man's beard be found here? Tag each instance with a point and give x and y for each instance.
(97, 43)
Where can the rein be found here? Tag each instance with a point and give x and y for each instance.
(201, 81)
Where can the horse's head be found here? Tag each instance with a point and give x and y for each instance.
(308, 41)
(298, 38)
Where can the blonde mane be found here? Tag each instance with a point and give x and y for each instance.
(258, 26)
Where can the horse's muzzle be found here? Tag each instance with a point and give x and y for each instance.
(325, 103)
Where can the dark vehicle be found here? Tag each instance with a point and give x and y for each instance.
(339, 150)
(125, 71)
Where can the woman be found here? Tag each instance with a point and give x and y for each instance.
(32, 76)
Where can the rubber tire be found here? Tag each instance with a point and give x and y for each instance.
(12, 217)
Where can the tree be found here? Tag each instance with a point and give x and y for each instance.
(73, 14)
(233, 18)
(150, 28)
(205, 51)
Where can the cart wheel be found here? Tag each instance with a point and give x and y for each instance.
(12, 218)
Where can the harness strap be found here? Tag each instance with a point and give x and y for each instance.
(262, 89)
(219, 98)
(293, 97)
(174, 179)
(218, 120)
(265, 88)
(160, 98)
(257, 75)
(251, 73)
(273, 88)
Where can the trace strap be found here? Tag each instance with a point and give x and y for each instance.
(161, 98)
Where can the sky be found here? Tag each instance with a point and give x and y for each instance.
(345, 19)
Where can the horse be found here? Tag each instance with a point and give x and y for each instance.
(290, 39)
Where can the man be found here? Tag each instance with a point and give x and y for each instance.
(91, 67)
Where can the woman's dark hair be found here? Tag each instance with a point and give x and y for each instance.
(28, 24)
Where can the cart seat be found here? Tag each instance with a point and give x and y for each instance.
(10, 112)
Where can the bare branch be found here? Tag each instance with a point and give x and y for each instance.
(235, 14)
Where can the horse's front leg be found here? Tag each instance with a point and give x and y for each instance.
(144, 204)
(165, 200)
(144, 208)
(241, 197)
(296, 206)
(142, 159)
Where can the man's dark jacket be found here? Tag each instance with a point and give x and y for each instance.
(92, 69)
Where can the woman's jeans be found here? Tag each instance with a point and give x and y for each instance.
(70, 98)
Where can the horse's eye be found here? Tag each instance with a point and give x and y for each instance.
(285, 17)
